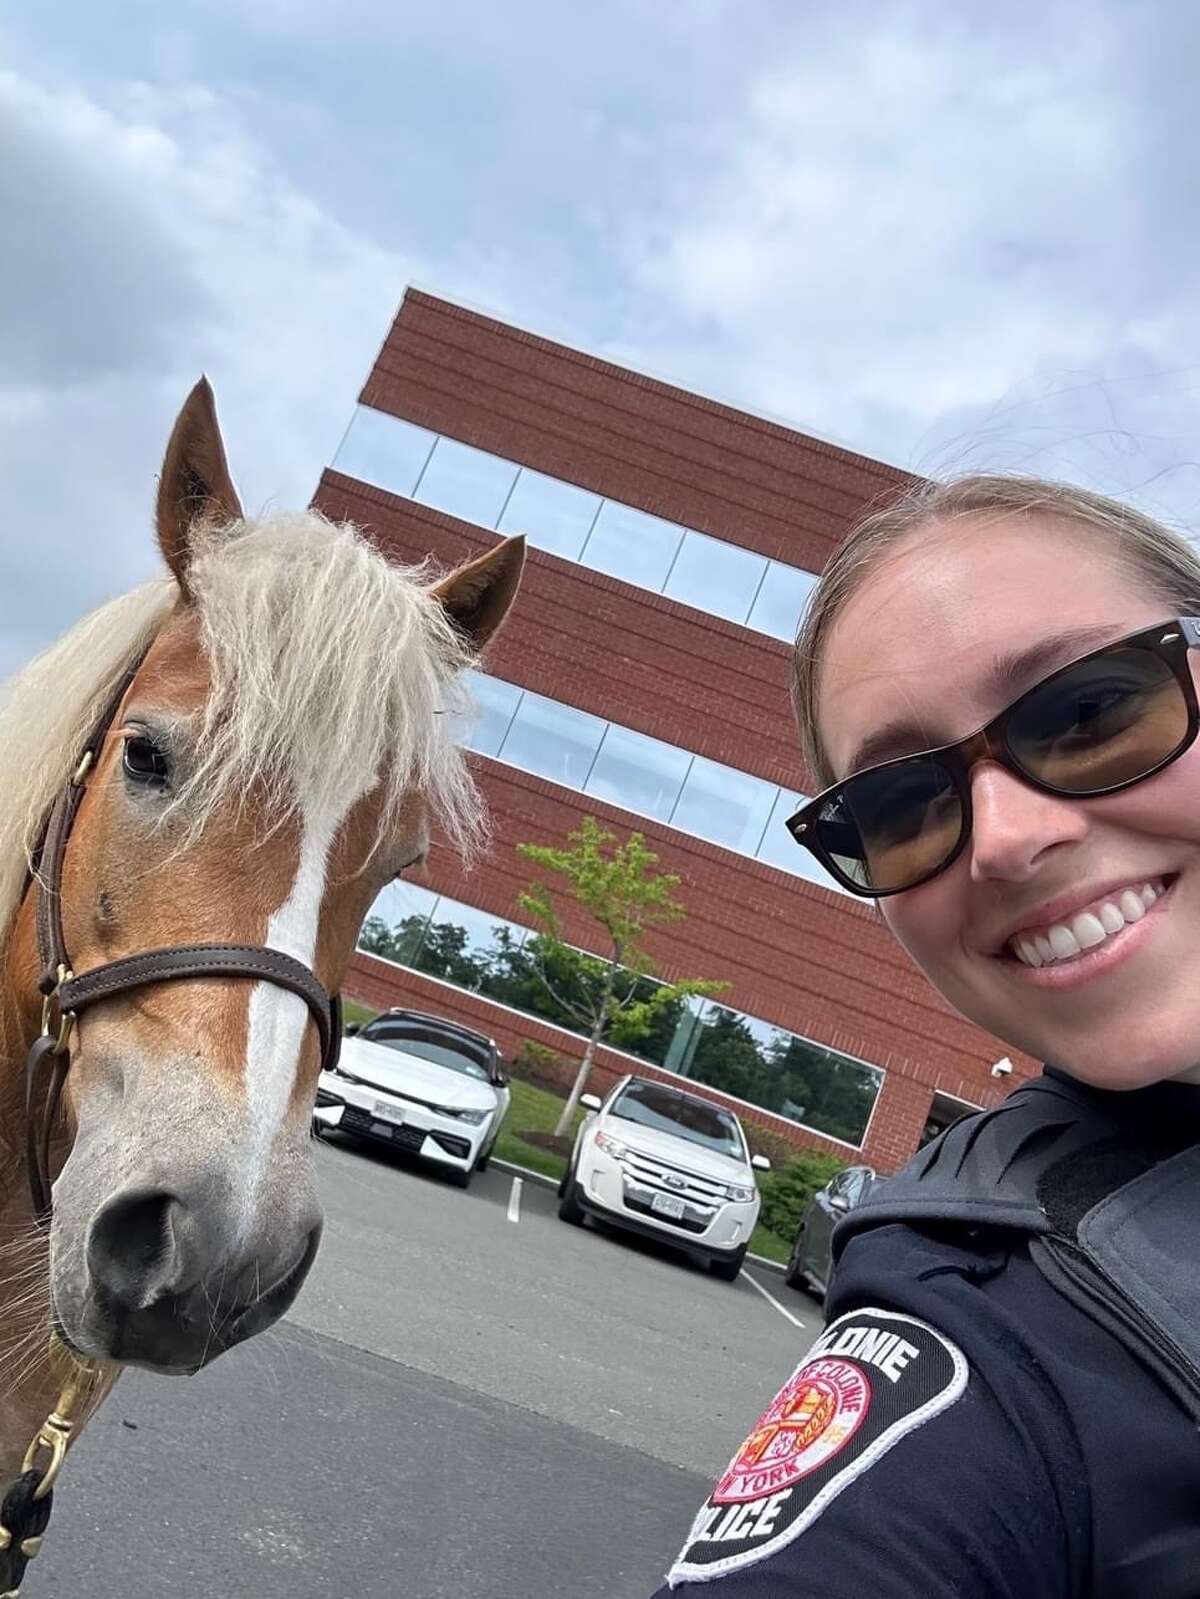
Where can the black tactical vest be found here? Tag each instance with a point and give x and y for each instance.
(1104, 1186)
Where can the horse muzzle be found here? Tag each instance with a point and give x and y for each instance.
(165, 1290)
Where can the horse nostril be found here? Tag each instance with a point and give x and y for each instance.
(134, 1249)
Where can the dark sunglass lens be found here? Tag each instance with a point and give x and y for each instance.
(1109, 720)
(890, 828)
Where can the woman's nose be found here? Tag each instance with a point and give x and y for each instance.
(1014, 824)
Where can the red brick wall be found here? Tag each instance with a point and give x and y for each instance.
(645, 443)
(794, 954)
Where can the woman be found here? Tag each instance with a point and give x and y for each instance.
(996, 682)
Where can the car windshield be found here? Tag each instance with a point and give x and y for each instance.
(651, 1105)
(427, 1043)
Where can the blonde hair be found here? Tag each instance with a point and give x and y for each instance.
(329, 666)
(1151, 553)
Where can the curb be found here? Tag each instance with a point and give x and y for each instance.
(527, 1174)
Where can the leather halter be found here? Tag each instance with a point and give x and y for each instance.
(66, 996)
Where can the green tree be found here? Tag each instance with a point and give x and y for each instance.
(610, 995)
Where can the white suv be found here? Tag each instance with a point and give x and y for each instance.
(668, 1164)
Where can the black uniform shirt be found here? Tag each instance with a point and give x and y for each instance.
(1007, 1446)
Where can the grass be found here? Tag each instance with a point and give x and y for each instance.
(352, 1011)
(533, 1110)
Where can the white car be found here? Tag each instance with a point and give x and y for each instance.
(668, 1164)
(420, 1084)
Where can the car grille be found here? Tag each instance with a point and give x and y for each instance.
(648, 1172)
(355, 1120)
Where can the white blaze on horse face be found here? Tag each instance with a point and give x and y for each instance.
(278, 1018)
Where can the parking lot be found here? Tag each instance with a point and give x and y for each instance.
(470, 1398)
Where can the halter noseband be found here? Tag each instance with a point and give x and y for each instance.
(66, 996)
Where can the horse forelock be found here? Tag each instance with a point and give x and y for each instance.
(331, 670)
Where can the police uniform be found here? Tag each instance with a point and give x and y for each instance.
(1006, 1402)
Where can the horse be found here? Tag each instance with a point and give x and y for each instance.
(267, 735)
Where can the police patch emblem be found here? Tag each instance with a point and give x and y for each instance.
(871, 1377)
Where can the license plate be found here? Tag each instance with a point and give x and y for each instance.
(388, 1113)
(667, 1205)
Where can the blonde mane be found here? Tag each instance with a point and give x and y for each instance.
(331, 668)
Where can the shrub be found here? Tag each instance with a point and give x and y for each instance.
(786, 1192)
(539, 1064)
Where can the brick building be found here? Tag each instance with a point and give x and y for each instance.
(643, 679)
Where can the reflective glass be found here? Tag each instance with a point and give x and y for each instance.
(781, 600)
(383, 450)
(396, 924)
(555, 516)
(496, 702)
(715, 577)
(465, 482)
(642, 774)
(463, 945)
(724, 806)
(632, 545)
(555, 741)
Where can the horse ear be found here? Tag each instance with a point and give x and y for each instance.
(477, 597)
(195, 485)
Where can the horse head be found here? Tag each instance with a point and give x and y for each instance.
(275, 760)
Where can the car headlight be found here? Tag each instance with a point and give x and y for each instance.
(474, 1118)
(610, 1146)
(741, 1196)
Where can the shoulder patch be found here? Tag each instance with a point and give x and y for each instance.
(871, 1377)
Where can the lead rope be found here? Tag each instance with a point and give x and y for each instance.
(25, 1510)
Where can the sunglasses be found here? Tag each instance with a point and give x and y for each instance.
(1096, 726)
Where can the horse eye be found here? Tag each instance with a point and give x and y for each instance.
(145, 763)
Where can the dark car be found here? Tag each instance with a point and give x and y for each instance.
(810, 1264)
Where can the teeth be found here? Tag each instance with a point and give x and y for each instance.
(1085, 931)
(1133, 906)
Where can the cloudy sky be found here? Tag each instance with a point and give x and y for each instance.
(946, 235)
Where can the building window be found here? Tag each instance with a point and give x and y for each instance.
(466, 483)
(741, 1055)
(495, 706)
(555, 516)
(724, 806)
(711, 574)
(555, 741)
(382, 450)
(716, 577)
(781, 600)
(631, 545)
(638, 773)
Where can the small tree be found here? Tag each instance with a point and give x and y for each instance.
(607, 995)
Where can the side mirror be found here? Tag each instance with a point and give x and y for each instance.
(838, 1202)
(760, 1163)
(354, 1027)
(500, 1080)
(590, 1101)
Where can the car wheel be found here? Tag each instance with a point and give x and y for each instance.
(462, 1179)
(728, 1270)
(318, 1128)
(569, 1208)
(794, 1274)
(482, 1163)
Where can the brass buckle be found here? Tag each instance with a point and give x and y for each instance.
(66, 1020)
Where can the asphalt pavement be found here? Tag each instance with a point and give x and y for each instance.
(470, 1399)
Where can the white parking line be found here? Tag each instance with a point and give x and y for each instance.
(771, 1300)
(514, 1200)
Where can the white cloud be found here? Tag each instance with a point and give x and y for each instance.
(160, 241)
